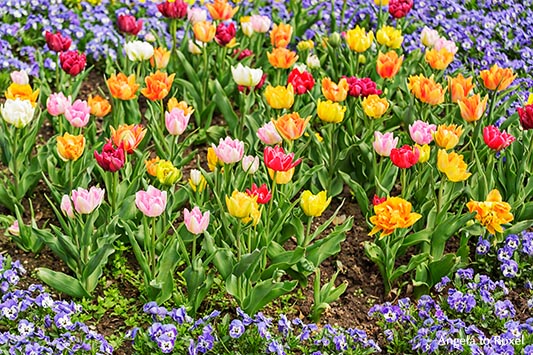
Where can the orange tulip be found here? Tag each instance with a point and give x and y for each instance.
(280, 35)
(472, 107)
(391, 214)
(497, 78)
(438, 59)
(460, 87)
(22, 92)
(388, 64)
(122, 87)
(160, 58)
(204, 31)
(447, 136)
(151, 166)
(335, 92)
(426, 89)
(158, 85)
(128, 135)
(182, 105)
(99, 106)
(291, 126)
(70, 147)
(221, 10)
(282, 58)
(493, 212)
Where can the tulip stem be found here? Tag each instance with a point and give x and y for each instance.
(70, 174)
(206, 79)
(492, 104)
(113, 192)
(332, 142)
(57, 73)
(152, 247)
(308, 232)
(173, 33)
(269, 217)
(404, 183)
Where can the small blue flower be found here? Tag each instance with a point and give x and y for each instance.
(236, 328)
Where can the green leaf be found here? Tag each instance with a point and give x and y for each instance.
(330, 245)
(358, 191)
(62, 282)
(264, 292)
(247, 264)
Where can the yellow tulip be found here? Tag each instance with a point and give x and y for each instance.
(493, 212)
(280, 97)
(70, 147)
(314, 205)
(425, 152)
(329, 111)
(166, 173)
(374, 106)
(240, 204)
(390, 37)
(359, 40)
(282, 177)
(452, 165)
(447, 136)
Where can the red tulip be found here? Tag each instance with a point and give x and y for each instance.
(526, 116)
(404, 157)
(276, 159)
(361, 87)
(301, 81)
(72, 62)
(378, 200)
(241, 54)
(111, 159)
(129, 25)
(400, 8)
(225, 33)
(262, 193)
(173, 9)
(496, 139)
(56, 42)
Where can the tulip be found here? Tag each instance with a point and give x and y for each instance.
(472, 107)
(72, 62)
(443, 43)
(56, 42)
(426, 89)
(240, 204)
(246, 26)
(17, 112)
(86, 201)
(195, 47)
(66, 206)
(22, 92)
(260, 23)
(282, 57)
(225, 34)
(381, 2)
(139, 50)
(314, 205)
(390, 37)
(250, 164)
(335, 92)
(400, 8)
(195, 221)
(376, 200)
(384, 143)
(268, 134)
(204, 31)
(497, 78)
(388, 64)
(460, 87)
(158, 85)
(229, 150)
(429, 36)
(99, 106)
(221, 10)
(176, 121)
(246, 76)
(152, 202)
(438, 59)
(312, 61)
(302, 81)
(422, 132)
(197, 181)
(196, 14)
(151, 166)
(496, 139)
(160, 58)
(128, 24)
(167, 173)
(111, 159)
(281, 177)
(447, 137)
(277, 160)
(358, 40)
(14, 229)
(262, 194)
(175, 9)
(329, 111)
(334, 40)
(425, 152)
(19, 77)
(56, 104)
(492, 212)
(280, 36)
(241, 54)
(361, 87)
(279, 97)
(122, 87)
(393, 213)
(404, 157)
(182, 105)
(291, 126)
(128, 135)
(304, 46)
(452, 165)
(78, 113)
(526, 116)
(70, 147)
(374, 106)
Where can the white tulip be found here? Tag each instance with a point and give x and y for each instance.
(250, 164)
(246, 76)
(139, 50)
(17, 112)
(313, 62)
(196, 47)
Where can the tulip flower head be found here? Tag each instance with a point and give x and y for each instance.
(472, 107)
(130, 136)
(111, 159)
(250, 164)
(335, 92)
(70, 147)
(282, 58)
(98, 105)
(57, 42)
(182, 105)
(426, 89)
(72, 62)
(492, 212)
(496, 139)
(374, 106)
(152, 202)
(14, 229)
(17, 112)
(526, 116)
(151, 166)
(160, 58)
(57, 104)
(280, 35)
(86, 201)
(167, 173)
(425, 152)
(384, 143)
(176, 121)
(229, 150)
(66, 206)
(195, 221)
(78, 113)
(404, 157)
(204, 31)
(329, 111)
(268, 134)
(314, 205)
(361, 87)
(438, 59)
(390, 37)
(497, 78)
(262, 194)
(221, 10)
(225, 34)
(400, 8)
(175, 9)
(392, 214)
(128, 24)
(158, 85)
(422, 132)
(291, 126)
(19, 77)
(452, 165)
(241, 205)
(246, 76)
(260, 23)
(197, 181)
(277, 160)
(460, 87)
(122, 87)
(301, 80)
(359, 40)
(388, 64)
(196, 14)
(21, 91)
(447, 136)
(429, 36)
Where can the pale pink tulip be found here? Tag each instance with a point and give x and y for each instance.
(87, 201)
(20, 77)
(151, 202)
(422, 132)
(229, 150)
(196, 14)
(66, 206)
(57, 104)
(14, 229)
(268, 134)
(195, 221)
(450, 46)
(260, 23)
(250, 164)
(176, 121)
(429, 36)
(78, 113)
(384, 143)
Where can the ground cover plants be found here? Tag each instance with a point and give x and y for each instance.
(195, 170)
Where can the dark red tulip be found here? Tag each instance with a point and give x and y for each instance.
(225, 33)
(173, 9)
(72, 62)
(111, 159)
(128, 24)
(526, 116)
(56, 42)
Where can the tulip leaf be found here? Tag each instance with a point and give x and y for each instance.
(247, 264)
(358, 191)
(264, 292)
(225, 106)
(62, 282)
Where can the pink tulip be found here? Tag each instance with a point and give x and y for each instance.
(195, 222)
(260, 23)
(57, 104)
(78, 113)
(196, 14)
(151, 202)
(450, 46)
(87, 201)
(268, 134)
(250, 164)
(422, 132)
(14, 228)
(229, 150)
(20, 77)
(176, 121)
(66, 206)
(384, 143)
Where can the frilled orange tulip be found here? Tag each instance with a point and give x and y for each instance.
(221, 10)
(335, 92)
(70, 147)
(460, 87)
(280, 35)
(291, 126)
(151, 166)
(439, 59)
(282, 58)
(447, 136)
(128, 135)
(204, 31)
(375, 106)
(160, 58)
(280, 97)
(22, 92)
(452, 165)
(473, 107)
(158, 85)
(388, 64)
(393, 213)
(122, 87)
(99, 106)
(182, 105)
(426, 89)
(493, 212)
(497, 78)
